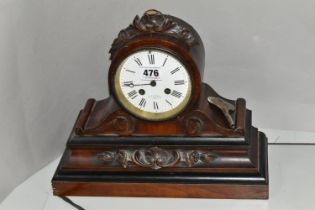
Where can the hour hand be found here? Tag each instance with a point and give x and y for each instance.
(128, 84)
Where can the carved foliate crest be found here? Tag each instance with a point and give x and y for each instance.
(157, 158)
(154, 21)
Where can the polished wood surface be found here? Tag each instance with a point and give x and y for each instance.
(106, 117)
(234, 191)
(209, 150)
(229, 170)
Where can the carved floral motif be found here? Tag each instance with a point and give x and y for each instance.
(156, 157)
(153, 21)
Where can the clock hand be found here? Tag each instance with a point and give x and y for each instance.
(130, 84)
(141, 84)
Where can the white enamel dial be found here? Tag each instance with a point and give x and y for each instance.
(153, 84)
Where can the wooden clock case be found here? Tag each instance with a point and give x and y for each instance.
(210, 150)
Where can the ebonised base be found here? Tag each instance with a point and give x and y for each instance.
(238, 171)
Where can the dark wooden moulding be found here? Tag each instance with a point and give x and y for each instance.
(197, 154)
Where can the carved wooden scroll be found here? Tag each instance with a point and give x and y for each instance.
(157, 158)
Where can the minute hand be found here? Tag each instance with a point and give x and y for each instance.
(132, 85)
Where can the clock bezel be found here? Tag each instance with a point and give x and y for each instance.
(158, 43)
(152, 116)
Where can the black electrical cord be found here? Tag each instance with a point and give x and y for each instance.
(66, 199)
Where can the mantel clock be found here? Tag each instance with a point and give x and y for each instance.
(162, 132)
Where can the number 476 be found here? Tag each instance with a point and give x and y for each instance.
(151, 72)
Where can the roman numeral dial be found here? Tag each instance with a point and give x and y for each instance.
(133, 94)
(138, 61)
(175, 70)
(176, 94)
(155, 105)
(179, 82)
(142, 102)
(152, 84)
(151, 58)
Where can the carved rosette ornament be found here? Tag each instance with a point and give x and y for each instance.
(122, 123)
(154, 21)
(157, 158)
(193, 125)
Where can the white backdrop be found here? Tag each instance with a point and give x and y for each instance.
(53, 56)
